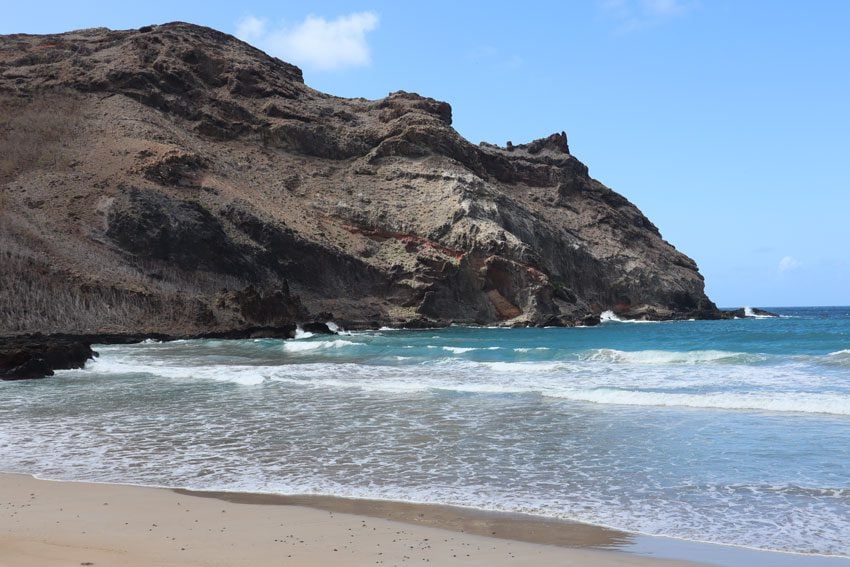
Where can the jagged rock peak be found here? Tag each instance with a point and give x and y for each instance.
(555, 143)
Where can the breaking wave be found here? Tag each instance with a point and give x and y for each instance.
(306, 346)
(834, 404)
(462, 350)
(609, 316)
(748, 311)
(671, 357)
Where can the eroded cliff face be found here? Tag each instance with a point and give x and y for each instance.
(175, 179)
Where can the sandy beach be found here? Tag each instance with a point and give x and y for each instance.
(46, 523)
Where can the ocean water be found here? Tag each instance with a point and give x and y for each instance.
(735, 432)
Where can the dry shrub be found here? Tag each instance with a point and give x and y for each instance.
(36, 299)
(34, 130)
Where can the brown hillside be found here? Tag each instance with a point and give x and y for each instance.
(175, 179)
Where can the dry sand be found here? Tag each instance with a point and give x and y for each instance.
(45, 523)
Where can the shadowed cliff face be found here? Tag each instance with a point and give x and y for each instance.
(161, 172)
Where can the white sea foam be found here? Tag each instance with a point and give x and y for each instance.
(524, 367)
(307, 346)
(355, 381)
(459, 350)
(610, 316)
(639, 370)
(606, 316)
(246, 375)
(748, 311)
(302, 334)
(836, 404)
(547, 380)
(529, 349)
(806, 403)
(670, 357)
(481, 388)
(404, 383)
(334, 328)
(302, 347)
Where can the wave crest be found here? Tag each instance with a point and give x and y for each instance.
(670, 357)
(835, 404)
(306, 346)
(610, 316)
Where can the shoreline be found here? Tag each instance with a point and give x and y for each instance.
(33, 356)
(79, 523)
(230, 528)
(513, 526)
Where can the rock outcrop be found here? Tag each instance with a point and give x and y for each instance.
(174, 179)
(36, 357)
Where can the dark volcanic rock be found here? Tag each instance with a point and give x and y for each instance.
(743, 313)
(268, 307)
(178, 169)
(176, 180)
(151, 225)
(25, 358)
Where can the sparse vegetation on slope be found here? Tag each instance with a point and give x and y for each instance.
(174, 179)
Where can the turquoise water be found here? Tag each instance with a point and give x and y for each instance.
(734, 432)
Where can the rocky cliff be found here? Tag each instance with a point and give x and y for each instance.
(175, 179)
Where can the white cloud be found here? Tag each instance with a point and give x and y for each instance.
(250, 28)
(316, 42)
(630, 15)
(788, 264)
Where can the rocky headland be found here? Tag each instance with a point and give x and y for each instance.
(174, 180)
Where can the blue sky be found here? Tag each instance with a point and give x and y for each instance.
(726, 122)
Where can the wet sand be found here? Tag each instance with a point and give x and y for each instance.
(46, 523)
